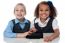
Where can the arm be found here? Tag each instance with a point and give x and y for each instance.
(32, 28)
(56, 32)
(56, 29)
(8, 31)
(53, 36)
(22, 35)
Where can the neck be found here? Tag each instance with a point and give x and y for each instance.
(21, 20)
(43, 20)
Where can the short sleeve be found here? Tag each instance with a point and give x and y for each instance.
(55, 24)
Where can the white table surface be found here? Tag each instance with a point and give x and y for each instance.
(25, 40)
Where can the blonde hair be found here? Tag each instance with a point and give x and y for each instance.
(21, 5)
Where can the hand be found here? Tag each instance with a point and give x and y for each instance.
(29, 32)
(33, 29)
(48, 38)
(26, 33)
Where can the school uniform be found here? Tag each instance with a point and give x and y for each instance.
(15, 26)
(46, 27)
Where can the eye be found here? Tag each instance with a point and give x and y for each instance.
(22, 10)
(41, 10)
(47, 10)
(16, 10)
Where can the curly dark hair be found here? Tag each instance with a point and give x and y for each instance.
(53, 12)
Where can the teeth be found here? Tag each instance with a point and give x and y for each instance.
(44, 14)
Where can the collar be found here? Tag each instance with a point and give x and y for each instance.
(38, 20)
(17, 21)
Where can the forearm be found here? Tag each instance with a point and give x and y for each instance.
(21, 35)
(55, 34)
(8, 34)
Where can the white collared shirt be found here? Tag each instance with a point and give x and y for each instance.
(54, 23)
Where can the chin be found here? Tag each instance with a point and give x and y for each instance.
(19, 18)
(44, 17)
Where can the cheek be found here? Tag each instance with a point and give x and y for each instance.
(47, 13)
(22, 13)
(15, 13)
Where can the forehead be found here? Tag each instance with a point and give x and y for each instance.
(19, 7)
(43, 6)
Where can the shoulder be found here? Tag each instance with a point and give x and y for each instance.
(55, 21)
(36, 20)
(27, 21)
(11, 21)
(55, 24)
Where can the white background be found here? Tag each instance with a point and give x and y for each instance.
(7, 7)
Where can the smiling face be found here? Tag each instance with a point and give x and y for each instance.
(19, 11)
(44, 11)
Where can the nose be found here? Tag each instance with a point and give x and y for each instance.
(43, 11)
(19, 12)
